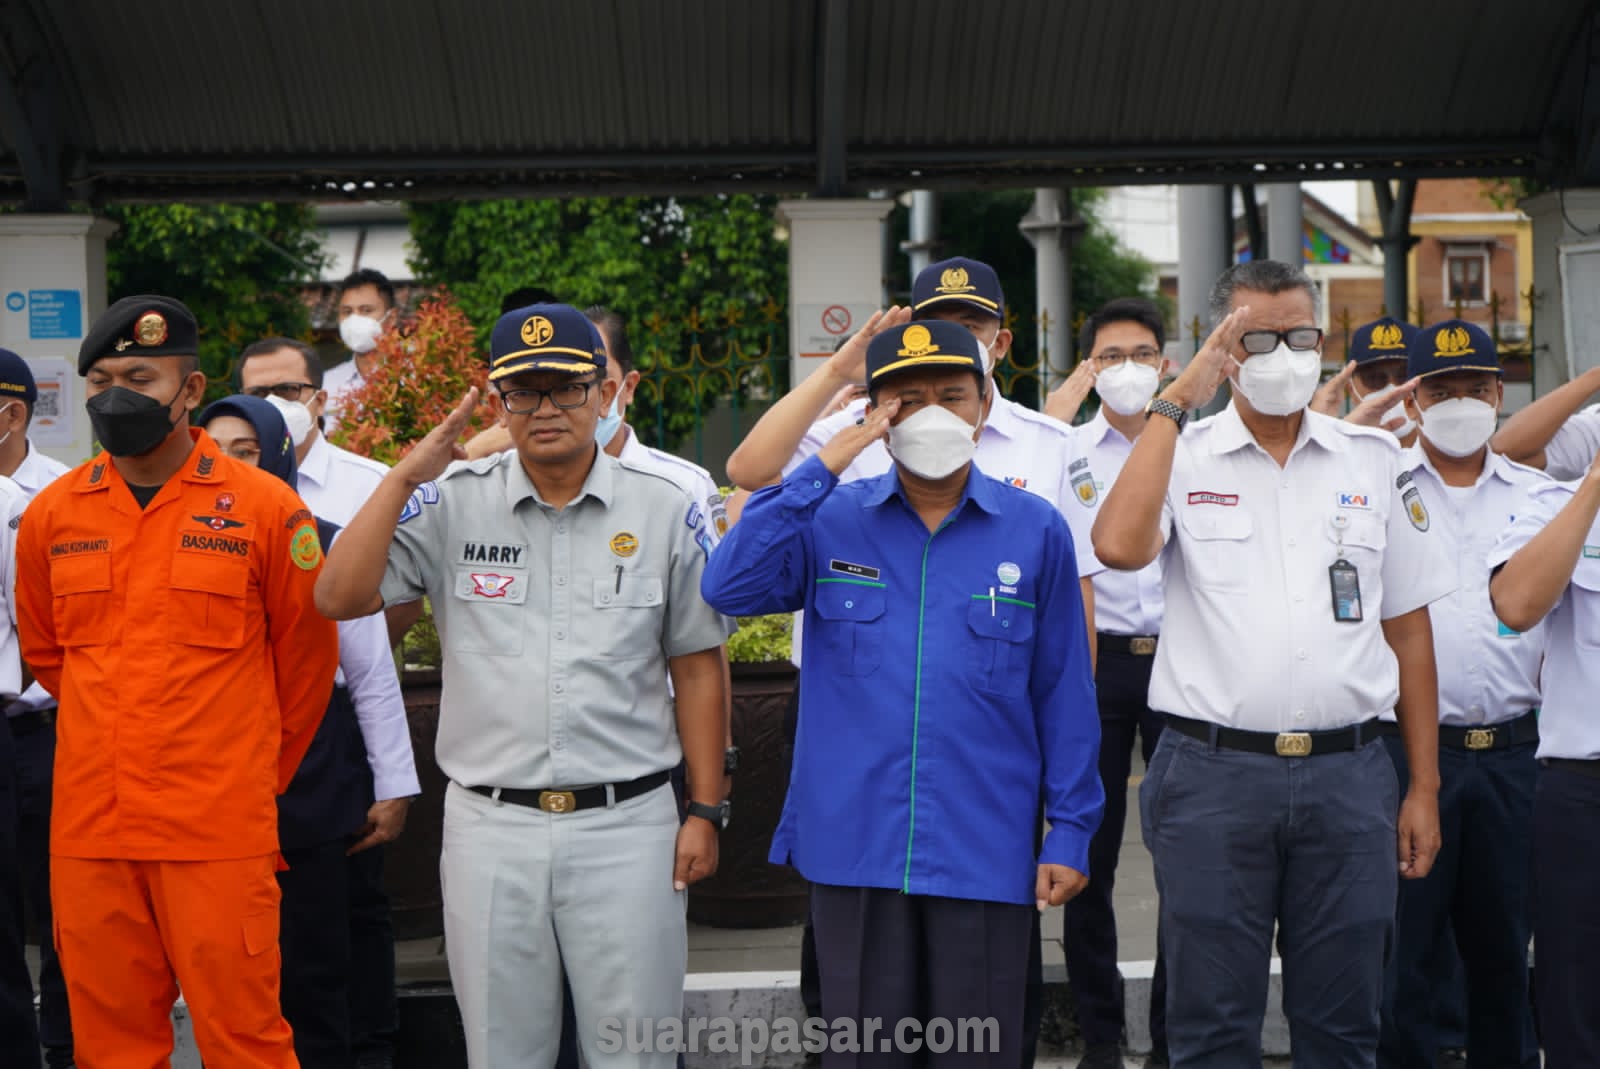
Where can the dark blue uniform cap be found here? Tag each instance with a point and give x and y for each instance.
(545, 337)
(16, 379)
(935, 343)
(147, 325)
(1382, 339)
(957, 282)
(1454, 345)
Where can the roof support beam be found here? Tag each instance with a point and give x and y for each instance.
(1252, 221)
(1394, 210)
(29, 106)
(832, 94)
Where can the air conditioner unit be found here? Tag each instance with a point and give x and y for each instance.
(1513, 331)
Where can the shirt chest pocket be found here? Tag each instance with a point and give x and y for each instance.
(487, 613)
(629, 615)
(1004, 634)
(849, 626)
(1586, 602)
(1218, 556)
(1359, 538)
(82, 606)
(209, 599)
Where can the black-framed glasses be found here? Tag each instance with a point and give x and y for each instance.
(1256, 342)
(289, 391)
(521, 402)
(1116, 357)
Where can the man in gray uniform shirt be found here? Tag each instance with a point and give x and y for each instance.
(566, 587)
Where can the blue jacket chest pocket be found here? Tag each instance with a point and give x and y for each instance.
(1004, 642)
(849, 626)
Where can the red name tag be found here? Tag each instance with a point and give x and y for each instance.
(1205, 497)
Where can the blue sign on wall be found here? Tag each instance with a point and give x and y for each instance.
(55, 314)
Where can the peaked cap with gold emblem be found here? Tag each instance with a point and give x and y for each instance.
(932, 343)
(1454, 345)
(1382, 339)
(957, 282)
(545, 337)
(146, 325)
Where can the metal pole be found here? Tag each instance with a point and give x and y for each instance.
(924, 230)
(1284, 227)
(1049, 226)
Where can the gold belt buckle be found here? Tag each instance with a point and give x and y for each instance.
(557, 801)
(1142, 645)
(1480, 739)
(1293, 744)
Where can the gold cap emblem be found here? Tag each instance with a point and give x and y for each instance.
(954, 280)
(1453, 342)
(917, 341)
(1387, 336)
(151, 329)
(537, 330)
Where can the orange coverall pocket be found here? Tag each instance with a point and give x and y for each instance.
(208, 599)
(260, 933)
(81, 608)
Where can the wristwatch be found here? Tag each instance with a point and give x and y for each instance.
(1159, 407)
(717, 814)
(730, 760)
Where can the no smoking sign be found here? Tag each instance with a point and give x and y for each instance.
(836, 319)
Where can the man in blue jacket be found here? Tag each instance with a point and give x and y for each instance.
(946, 689)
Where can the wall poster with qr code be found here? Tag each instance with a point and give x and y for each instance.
(54, 414)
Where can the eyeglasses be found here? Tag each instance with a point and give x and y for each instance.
(1256, 342)
(1115, 357)
(289, 391)
(567, 395)
(1384, 373)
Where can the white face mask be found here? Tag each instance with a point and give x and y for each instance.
(360, 333)
(1280, 383)
(1394, 412)
(296, 416)
(1128, 387)
(1460, 426)
(932, 443)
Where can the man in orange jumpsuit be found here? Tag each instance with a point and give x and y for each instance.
(165, 598)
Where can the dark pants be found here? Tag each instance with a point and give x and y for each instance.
(314, 936)
(36, 756)
(1476, 902)
(1122, 683)
(19, 1030)
(1566, 880)
(374, 1009)
(1243, 842)
(889, 956)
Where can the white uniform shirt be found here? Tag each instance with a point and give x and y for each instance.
(1249, 640)
(1574, 445)
(1568, 724)
(340, 380)
(36, 472)
(335, 482)
(692, 478)
(12, 503)
(1488, 673)
(1125, 603)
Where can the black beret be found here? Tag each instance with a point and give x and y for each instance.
(146, 325)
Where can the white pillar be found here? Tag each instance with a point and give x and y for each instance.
(1204, 250)
(835, 274)
(1560, 221)
(924, 230)
(1284, 226)
(53, 285)
(1049, 226)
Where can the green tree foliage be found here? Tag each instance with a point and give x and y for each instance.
(239, 268)
(668, 265)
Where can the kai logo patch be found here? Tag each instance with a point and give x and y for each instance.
(1354, 501)
(624, 544)
(1016, 480)
(305, 549)
(1416, 511)
(490, 585)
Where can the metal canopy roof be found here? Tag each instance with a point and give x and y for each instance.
(105, 100)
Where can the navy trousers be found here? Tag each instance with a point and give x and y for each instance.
(19, 1030)
(1244, 843)
(1122, 684)
(314, 937)
(374, 1004)
(1566, 878)
(889, 956)
(1476, 902)
(36, 756)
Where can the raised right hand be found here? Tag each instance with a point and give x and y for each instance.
(1206, 372)
(1330, 395)
(844, 447)
(849, 364)
(429, 457)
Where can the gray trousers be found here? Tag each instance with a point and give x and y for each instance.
(528, 893)
(1243, 842)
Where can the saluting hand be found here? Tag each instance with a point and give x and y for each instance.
(1369, 413)
(1065, 400)
(1206, 372)
(429, 457)
(1057, 884)
(1330, 395)
(697, 853)
(849, 364)
(844, 447)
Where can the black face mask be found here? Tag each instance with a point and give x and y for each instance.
(128, 423)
